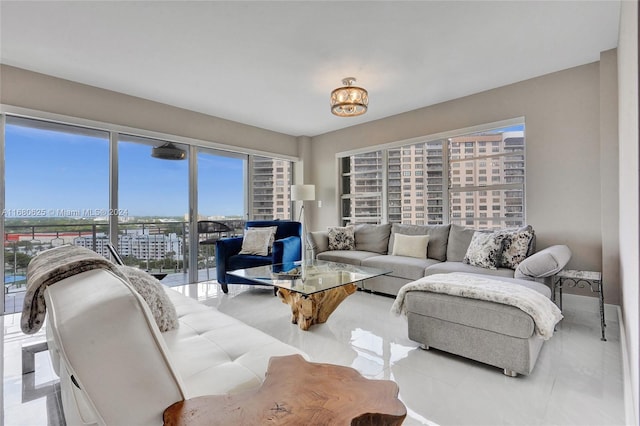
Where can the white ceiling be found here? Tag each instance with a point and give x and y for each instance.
(272, 64)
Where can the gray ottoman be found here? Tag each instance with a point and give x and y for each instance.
(492, 333)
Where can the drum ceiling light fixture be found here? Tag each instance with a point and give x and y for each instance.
(349, 100)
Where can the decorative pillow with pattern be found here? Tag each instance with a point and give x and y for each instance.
(515, 245)
(256, 241)
(485, 250)
(342, 238)
(272, 238)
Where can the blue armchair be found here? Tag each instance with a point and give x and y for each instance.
(286, 248)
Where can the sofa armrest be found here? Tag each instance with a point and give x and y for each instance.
(544, 263)
(225, 248)
(319, 241)
(287, 250)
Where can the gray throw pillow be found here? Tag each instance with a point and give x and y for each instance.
(153, 293)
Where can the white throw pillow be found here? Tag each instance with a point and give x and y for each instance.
(410, 245)
(256, 241)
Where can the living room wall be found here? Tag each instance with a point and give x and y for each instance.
(563, 175)
(40, 92)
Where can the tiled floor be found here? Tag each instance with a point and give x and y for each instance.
(577, 380)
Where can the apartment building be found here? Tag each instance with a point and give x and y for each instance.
(475, 180)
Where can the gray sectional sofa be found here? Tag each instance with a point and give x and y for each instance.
(446, 250)
(492, 333)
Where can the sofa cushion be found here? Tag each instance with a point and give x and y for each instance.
(241, 261)
(479, 314)
(438, 237)
(374, 238)
(410, 268)
(410, 245)
(485, 250)
(341, 238)
(352, 257)
(446, 267)
(458, 243)
(319, 241)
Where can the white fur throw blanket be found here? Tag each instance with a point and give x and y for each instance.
(49, 267)
(544, 312)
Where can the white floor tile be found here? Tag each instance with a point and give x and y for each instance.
(577, 380)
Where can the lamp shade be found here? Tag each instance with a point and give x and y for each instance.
(303, 192)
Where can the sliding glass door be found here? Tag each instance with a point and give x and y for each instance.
(56, 192)
(222, 203)
(153, 205)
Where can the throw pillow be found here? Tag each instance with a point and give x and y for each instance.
(341, 238)
(162, 309)
(256, 241)
(515, 245)
(484, 250)
(410, 245)
(272, 239)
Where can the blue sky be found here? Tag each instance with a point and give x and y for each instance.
(49, 170)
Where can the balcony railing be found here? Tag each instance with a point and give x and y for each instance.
(155, 247)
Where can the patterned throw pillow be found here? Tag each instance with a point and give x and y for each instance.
(256, 241)
(341, 238)
(485, 250)
(515, 245)
(273, 230)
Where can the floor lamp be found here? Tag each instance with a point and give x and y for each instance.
(303, 193)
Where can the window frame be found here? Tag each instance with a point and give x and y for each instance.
(405, 147)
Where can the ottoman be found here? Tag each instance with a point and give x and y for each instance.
(489, 332)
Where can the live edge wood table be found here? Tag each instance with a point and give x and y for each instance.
(313, 288)
(297, 392)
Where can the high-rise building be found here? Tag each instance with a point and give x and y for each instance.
(481, 176)
(270, 198)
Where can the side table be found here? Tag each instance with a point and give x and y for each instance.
(580, 279)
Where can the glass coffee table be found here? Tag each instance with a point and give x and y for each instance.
(313, 289)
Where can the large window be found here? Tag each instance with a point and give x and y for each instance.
(362, 183)
(60, 189)
(474, 179)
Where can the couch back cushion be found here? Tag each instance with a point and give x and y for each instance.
(459, 240)
(438, 238)
(374, 238)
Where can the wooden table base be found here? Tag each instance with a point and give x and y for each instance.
(296, 392)
(314, 308)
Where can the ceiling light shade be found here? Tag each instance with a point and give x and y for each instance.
(168, 151)
(349, 100)
(303, 192)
